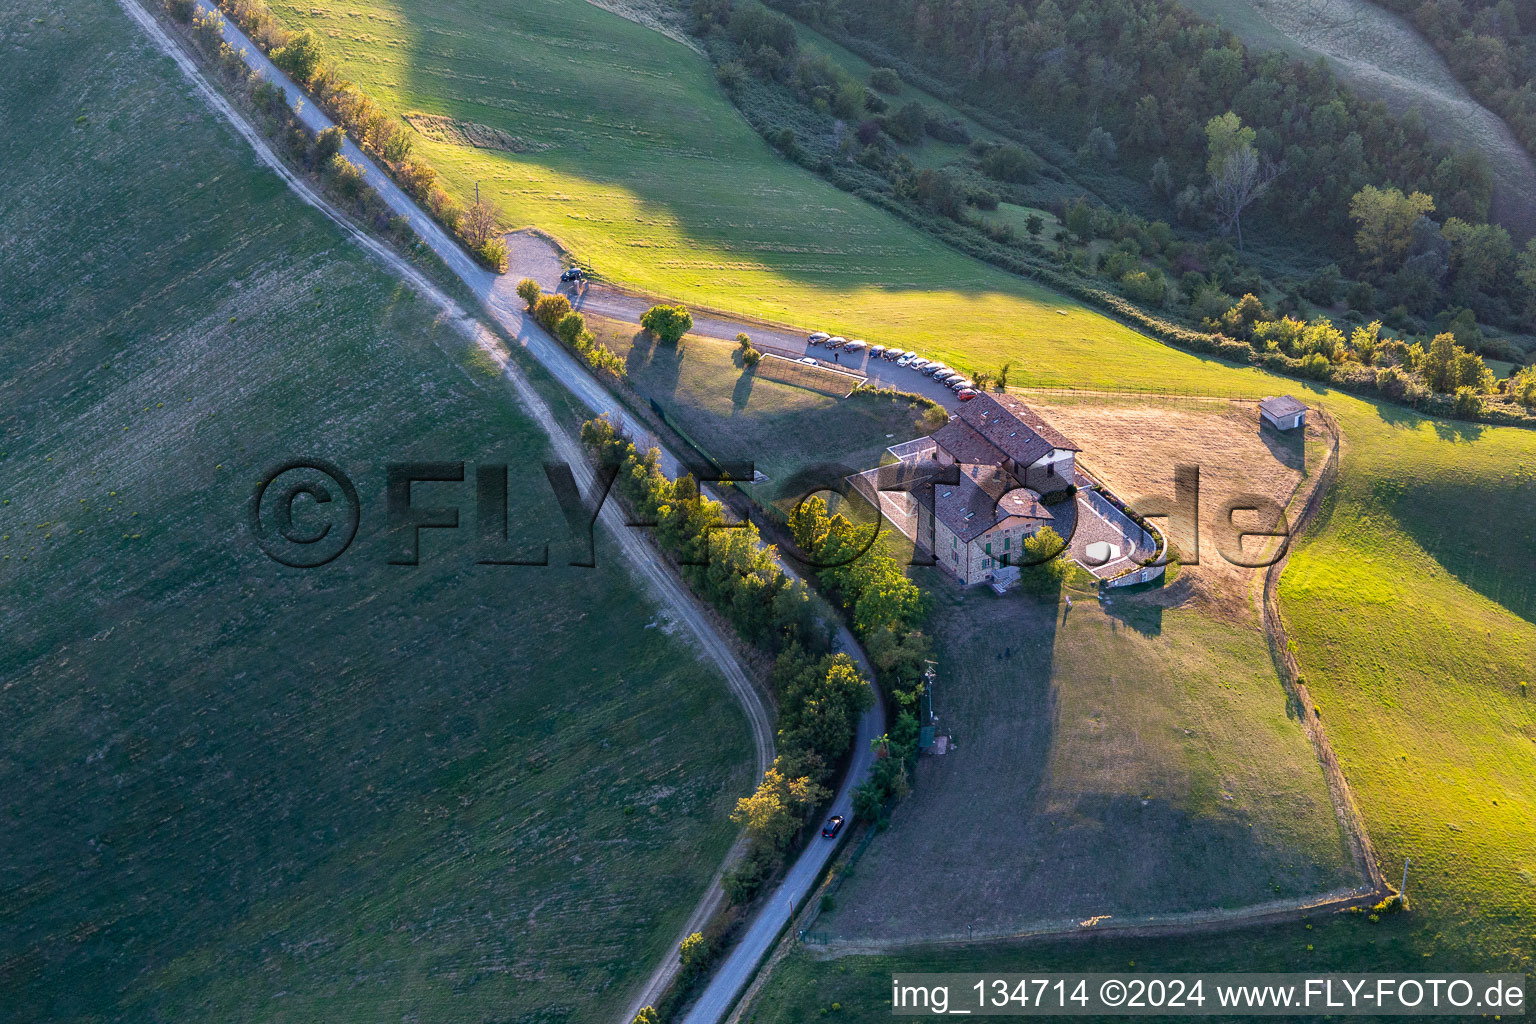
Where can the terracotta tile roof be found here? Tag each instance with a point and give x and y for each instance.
(991, 429)
(1035, 422)
(980, 501)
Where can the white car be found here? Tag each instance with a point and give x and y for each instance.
(919, 364)
(903, 360)
(808, 361)
(818, 337)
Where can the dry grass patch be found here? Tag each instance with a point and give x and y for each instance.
(1135, 447)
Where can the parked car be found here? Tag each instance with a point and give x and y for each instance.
(809, 361)
(877, 350)
(856, 345)
(833, 826)
(573, 274)
(935, 369)
(836, 341)
(818, 338)
(919, 364)
(908, 355)
(966, 394)
(962, 384)
(903, 360)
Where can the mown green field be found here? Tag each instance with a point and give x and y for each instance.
(236, 791)
(1411, 607)
(637, 162)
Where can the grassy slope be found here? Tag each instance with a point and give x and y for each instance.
(653, 178)
(1125, 764)
(236, 791)
(693, 189)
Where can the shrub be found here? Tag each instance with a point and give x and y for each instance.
(1010, 163)
(492, 253)
(528, 290)
(1469, 404)
(569, 328)
(1149, 287)
(550, 309)
(886, 80)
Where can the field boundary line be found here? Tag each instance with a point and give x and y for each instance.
(1281, 651)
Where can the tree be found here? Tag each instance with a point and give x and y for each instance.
(479, 221)
(647, 1015)
(776, 810)
(1480, 256)
(328, 144)
(669, 323)
(1526, 272)
(886, 80)
(1044, 570)
(300, 58)
(1238, 176)
(693, 952)
(1002, 376)
(1386, 219)
(570, 327)
(550, 310)
(1034, 224)
(528, 290)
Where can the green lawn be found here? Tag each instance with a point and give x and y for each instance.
(637, 162)
(739, 415)
(236, 791)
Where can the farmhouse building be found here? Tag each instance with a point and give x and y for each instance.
(1283, 413)
(1007, 458)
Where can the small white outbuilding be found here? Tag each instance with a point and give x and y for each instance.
(1283, 413)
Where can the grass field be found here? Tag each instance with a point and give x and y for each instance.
(637, 162)
(738, 415)
(236, 791)
(1383, 57)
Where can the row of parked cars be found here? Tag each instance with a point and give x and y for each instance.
(957, 382)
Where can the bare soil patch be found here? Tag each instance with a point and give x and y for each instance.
(468, 133)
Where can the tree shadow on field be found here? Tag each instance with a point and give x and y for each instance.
(654, 364)
(742, 392)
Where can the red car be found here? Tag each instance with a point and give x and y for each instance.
(833, 827)
(965, 394)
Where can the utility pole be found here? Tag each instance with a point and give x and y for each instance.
(1403, 892)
